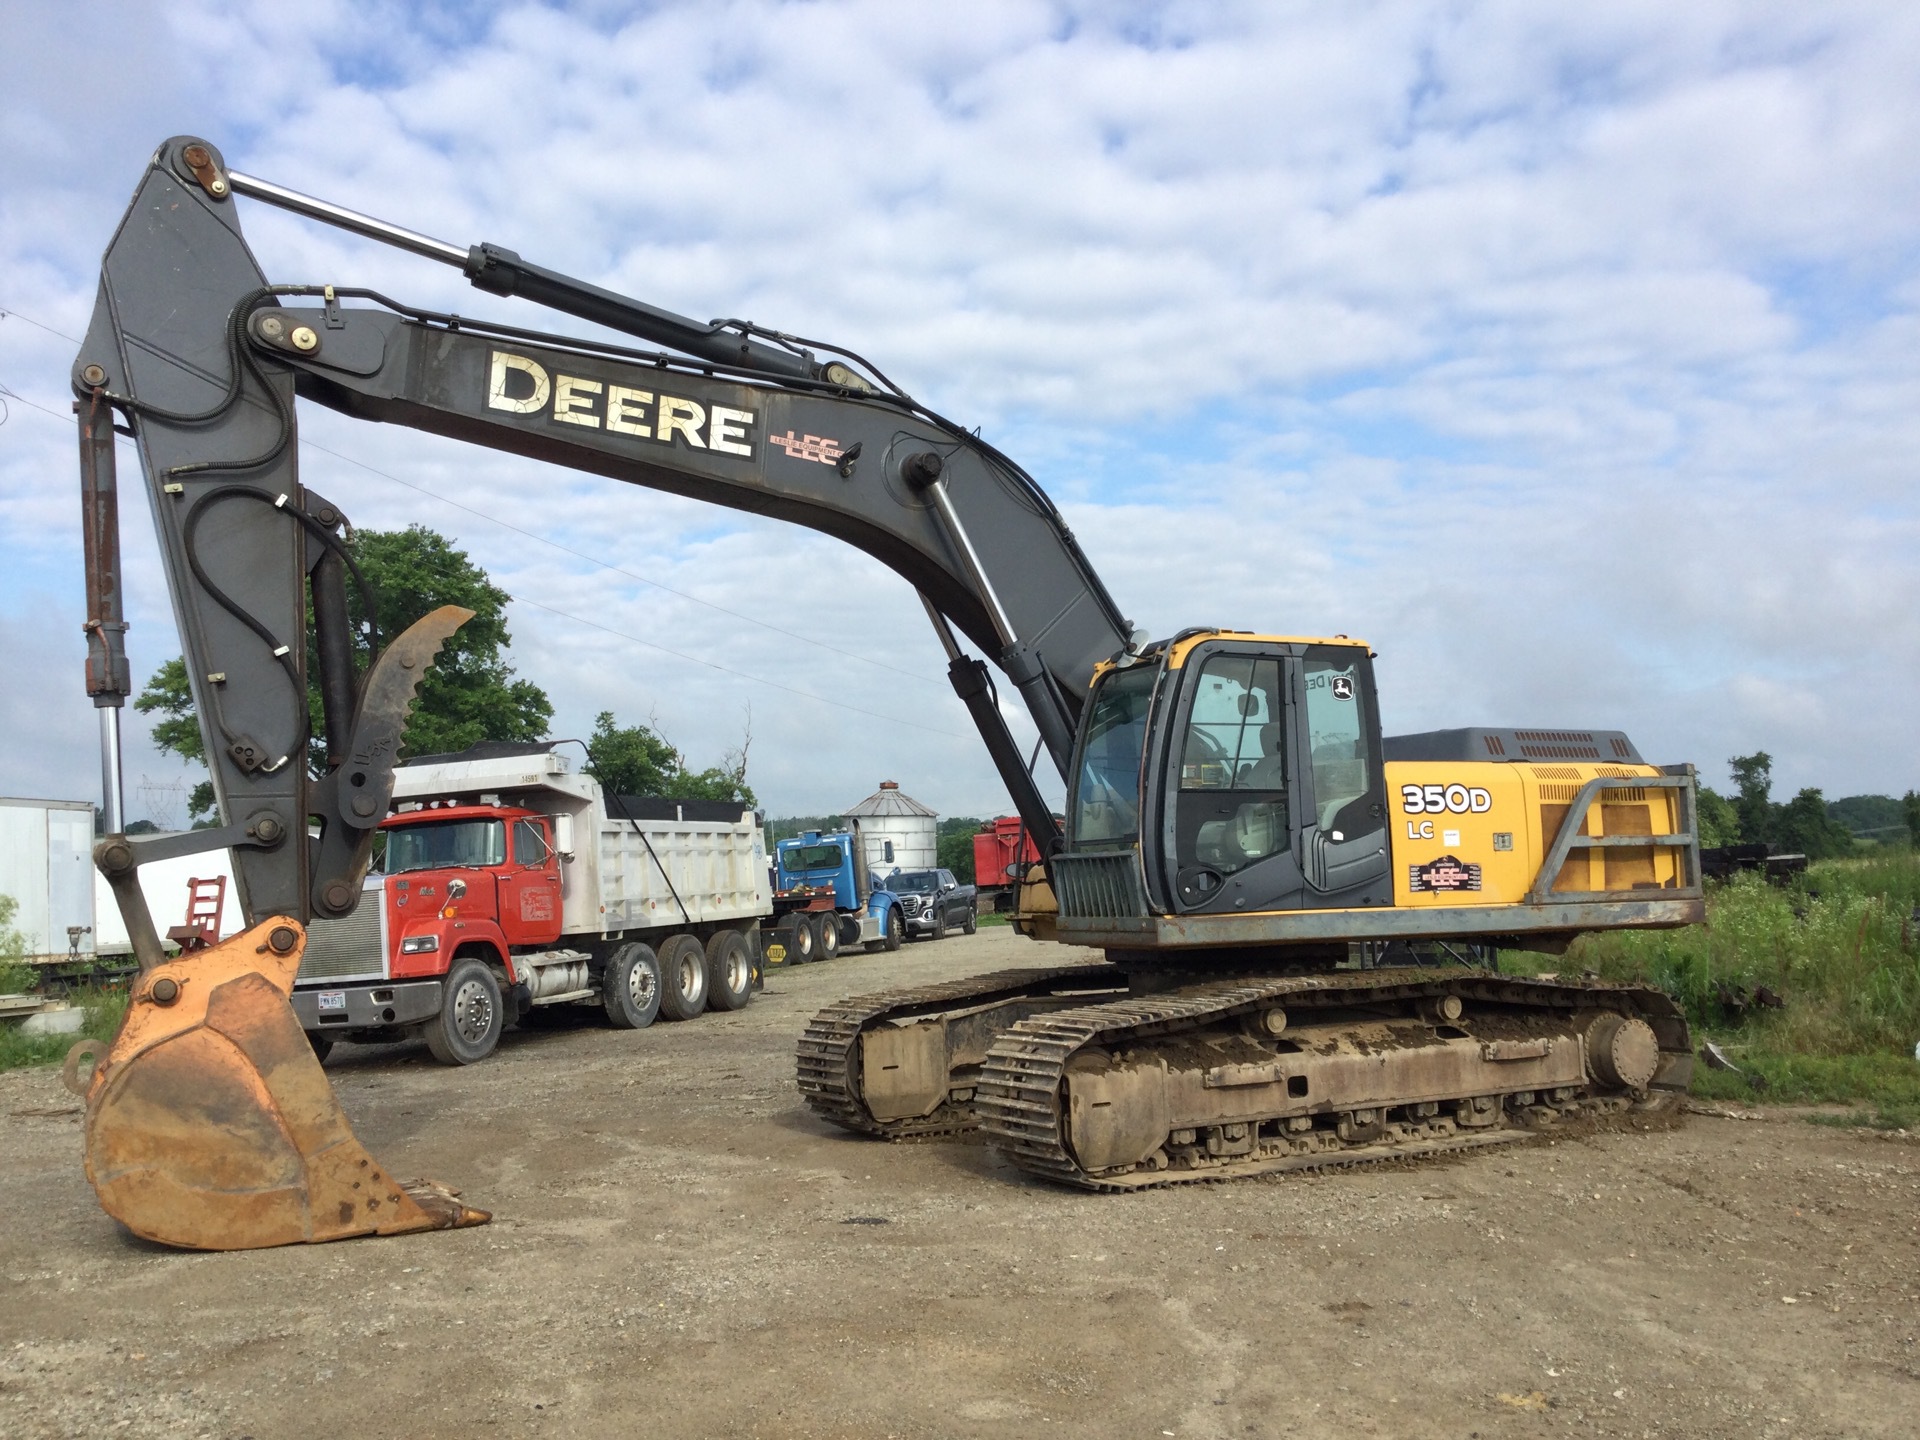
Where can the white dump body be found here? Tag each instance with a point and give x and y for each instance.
(661, 869)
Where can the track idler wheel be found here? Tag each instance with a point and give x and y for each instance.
(211, 1126)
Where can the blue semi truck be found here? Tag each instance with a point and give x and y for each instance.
(825, 897)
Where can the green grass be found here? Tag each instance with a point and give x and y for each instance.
(993, 917)
(104, 1009)
(1839, 945)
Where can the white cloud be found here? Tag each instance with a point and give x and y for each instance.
(1568, 354)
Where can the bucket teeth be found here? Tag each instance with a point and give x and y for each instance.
(211, 1126)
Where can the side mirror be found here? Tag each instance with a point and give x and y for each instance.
(456, 888)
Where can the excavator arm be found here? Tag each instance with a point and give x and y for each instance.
(210, 1123)
(205, 355)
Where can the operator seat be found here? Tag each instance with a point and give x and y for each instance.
(1269, 772)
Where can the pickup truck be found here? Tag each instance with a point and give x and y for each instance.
(933, 902)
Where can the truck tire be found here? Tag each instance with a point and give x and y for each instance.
(683, 978)
(896, 928)
(630, 987)
(322, 1045)
(971, 923)
(826, 935)
(939, 931)
(729, 970)
(797, 935)
(471, 1017)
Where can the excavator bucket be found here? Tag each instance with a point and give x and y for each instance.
(211, 1126)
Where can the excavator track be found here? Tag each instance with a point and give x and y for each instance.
(1024, 1105)
(827, 1059)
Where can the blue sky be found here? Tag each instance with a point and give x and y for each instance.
(1565, 353)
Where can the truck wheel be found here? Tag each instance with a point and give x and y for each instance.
(322, 1045)
(896, 930)
(471, 1016)
(630, 987)
(729, 970)
(683, 978)
(798, 937)
(826, 929)
(971, 923)
(939, 921)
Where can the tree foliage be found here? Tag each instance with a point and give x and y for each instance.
(956, 846)
(15, 974)
(1719, 820)
(1802, 825)
(469, 694)
(638, 760)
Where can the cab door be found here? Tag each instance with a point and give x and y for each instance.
(530, 886)
(1343, 830)
(1230, 803)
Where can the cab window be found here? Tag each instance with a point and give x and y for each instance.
(1106, 792)
(530, 846)
(1232, 808)
(1337, 728)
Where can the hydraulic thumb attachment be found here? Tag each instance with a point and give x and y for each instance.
(211, 1126)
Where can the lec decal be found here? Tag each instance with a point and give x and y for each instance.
(1449, 872)
(1445, 799)
(618, 409)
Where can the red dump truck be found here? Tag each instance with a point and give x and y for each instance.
(1000, 849)
(509, 881)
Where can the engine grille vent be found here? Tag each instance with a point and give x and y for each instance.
(1096, 887)
(349, 948)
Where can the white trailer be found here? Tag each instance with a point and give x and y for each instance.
(46, 866)
(510, 881)
(168, 886)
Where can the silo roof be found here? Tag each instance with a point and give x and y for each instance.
(890, 799)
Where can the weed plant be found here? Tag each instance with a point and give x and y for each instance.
(1840, 946)
(104, 1009)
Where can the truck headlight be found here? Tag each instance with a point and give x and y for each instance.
(419, 944)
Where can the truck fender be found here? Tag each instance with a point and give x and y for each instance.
(486, 941)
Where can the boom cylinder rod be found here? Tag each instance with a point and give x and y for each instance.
(109, 679)
(500, 271)
(1021, 664)
(330, 214)
(972, 683)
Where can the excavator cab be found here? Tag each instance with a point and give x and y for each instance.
(1247, 771)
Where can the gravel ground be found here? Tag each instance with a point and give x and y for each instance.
(680, 1249)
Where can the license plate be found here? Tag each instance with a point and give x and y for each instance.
(332, 999)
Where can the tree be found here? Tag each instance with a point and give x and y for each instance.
(468, 695)
(1753, 779)
(955, 844)
(1910, 805)
(638, 760)
(1719, 820)
(1802, 826)
(15, 974)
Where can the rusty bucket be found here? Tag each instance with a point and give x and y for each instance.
(211, 1126)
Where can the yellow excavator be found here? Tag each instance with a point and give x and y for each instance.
(1295, 911)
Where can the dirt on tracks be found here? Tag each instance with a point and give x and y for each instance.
(682, 1250)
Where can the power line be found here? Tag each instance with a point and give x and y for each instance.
(538, 538)
(6, 391)
(616, 569)
(726, 670)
